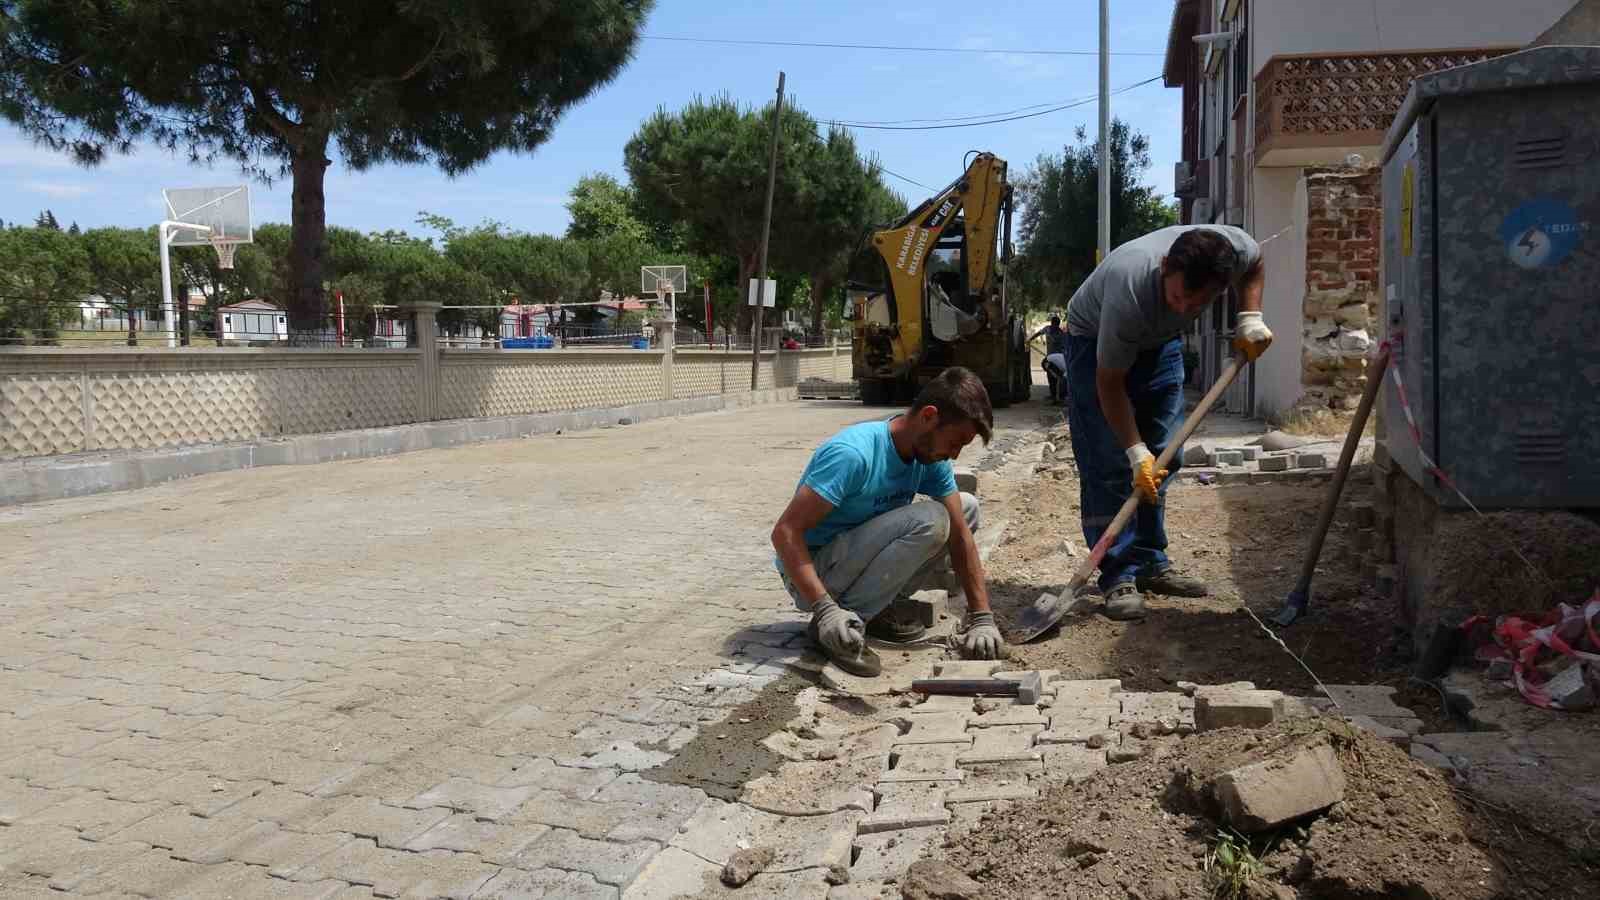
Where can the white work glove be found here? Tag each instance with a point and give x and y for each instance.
(1146, 477)
(981, 640)
(1251, 336)
(841, 631)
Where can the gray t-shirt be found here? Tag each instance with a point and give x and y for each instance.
(1121, 303)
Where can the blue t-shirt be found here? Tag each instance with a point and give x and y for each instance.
(862, 475)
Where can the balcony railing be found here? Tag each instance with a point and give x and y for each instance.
(1344, 99)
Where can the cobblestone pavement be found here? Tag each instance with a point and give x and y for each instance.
(424, 675)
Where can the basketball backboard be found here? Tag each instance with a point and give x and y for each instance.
(224, 210)
(663, 280)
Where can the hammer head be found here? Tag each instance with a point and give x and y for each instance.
(1030, 688)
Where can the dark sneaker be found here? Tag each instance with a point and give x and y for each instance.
(866, 664)
(896, 626)
(1125, 602)
(1172, 584)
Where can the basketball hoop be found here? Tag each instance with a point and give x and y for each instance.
(664, 287)
(225, 250)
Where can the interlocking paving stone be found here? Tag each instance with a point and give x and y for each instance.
(906, 806)
(461, 795)
(609, 863)
(886, 855)
(802, 842)
(389, 826)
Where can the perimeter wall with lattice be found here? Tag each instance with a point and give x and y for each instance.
(58, 401)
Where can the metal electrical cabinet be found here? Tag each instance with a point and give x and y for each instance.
(1491, 272)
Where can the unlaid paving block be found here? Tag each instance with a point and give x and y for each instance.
(1292, 782)
(462, 795)
(1227, 458)
(941, 703)
(906, 806)
(466, 834)
(1235, 709)
(885, 855)
(1428, 756)
(1310, 461)
(1196, 454)
(1250, 454)
(1152, 708)
(389, 826)
(1072, 761)
(1274, 463)
(1303, 707)
(720, 830)
(609, 863)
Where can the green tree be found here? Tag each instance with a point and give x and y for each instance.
(44, 276)
(277, 85)
(47, 219)
(125, 270)
(706, 168)
(602, 207)
(1059, 196)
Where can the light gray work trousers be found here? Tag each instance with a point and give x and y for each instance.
(890, 556)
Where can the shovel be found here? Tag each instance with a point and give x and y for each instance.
(1051, 608)
(1299, 599)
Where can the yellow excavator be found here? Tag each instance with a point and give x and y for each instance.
(939, 298)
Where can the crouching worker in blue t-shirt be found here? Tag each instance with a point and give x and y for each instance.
(852, 542)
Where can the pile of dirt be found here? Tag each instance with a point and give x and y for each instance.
(1476, 568)
(1145, 829)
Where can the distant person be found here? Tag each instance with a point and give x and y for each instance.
(1055, 368)
(852, 541)
(1055, 344)
(1125, 383)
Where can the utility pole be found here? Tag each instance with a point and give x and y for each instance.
(766, 232)
(1104, 246)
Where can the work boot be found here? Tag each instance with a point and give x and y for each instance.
(1124, 602)
(866, 664)
(1172, 584)
(896, 625)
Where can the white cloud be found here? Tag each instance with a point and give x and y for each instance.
(57, 189)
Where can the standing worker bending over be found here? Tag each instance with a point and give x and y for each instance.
(1125, 377)
(852, 542)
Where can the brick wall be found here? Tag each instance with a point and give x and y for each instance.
(1341, 300)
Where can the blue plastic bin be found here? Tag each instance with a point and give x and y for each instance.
(641, 344)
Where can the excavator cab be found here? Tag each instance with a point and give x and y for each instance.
(939, 297)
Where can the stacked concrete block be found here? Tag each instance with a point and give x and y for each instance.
(1227, 458)
(1275, 463)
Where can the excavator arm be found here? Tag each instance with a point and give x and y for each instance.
(912, 320)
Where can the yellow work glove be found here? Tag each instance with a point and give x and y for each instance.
(1146, 477)
(1251, 336)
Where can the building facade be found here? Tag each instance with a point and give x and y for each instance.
(1285, 104)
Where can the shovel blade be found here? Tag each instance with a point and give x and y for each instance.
(1043, 615)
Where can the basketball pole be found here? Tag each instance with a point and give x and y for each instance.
(168, 311)
(766, 232)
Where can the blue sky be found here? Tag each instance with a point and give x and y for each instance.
(528, 191)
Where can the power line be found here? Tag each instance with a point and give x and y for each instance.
(837, 46)
(996, 121)
(904, 178)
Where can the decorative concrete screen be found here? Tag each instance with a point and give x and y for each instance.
(489, 383)
(57, 401)
(66, 401)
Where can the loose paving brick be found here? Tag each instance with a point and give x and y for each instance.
(927, 762)
(940, 728)
(1003, 743)
(975, 793)
(674, 872)
(1016, 714)
(966, 668)
(1236, 709)
(1291, 783)
(721, 829)
(1093, 692)
(941, 703)
(1274, 463)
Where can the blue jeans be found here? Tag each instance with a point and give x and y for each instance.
(1155, 385)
